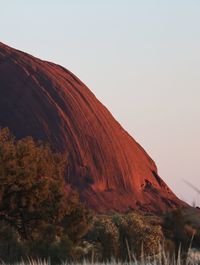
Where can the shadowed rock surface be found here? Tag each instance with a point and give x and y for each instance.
(111, 171)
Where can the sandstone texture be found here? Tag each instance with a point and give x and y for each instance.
(108, 168)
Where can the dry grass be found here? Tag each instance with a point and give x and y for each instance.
(193, 258)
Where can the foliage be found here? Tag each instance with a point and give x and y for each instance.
(43, 216)
(136, 233)
(120, 236)
(180, 229)
(105, 237)
(10, 246)
(31, 184)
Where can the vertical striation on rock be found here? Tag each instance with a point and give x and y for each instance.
(110, 170)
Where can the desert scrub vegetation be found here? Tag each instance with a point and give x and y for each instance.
(42, 218)
(182, 226)
(104, 238)
(123, 235)
(39, 214)
(137, 235)
(193, 258)
(130, 236)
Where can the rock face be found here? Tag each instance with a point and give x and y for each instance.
(110, 170)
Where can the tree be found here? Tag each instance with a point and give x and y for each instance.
(32, 188)
(42, 213)
(104, 235)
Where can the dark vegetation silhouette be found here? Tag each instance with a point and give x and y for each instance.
(41, 217)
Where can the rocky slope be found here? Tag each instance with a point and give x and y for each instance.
(111, 171)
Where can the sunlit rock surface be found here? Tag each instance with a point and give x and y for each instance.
(110, 170)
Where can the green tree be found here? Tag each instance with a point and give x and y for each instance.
(42, 214)
(32, 187)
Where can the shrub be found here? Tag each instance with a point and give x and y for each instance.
(42, 217)
(136, 233)
(179, 229)
(105, 238)
(11, 248)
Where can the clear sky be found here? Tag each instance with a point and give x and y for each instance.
(141, 58)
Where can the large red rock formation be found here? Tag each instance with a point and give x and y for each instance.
(111, 171)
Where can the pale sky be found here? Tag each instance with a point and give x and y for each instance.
(140, 58)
